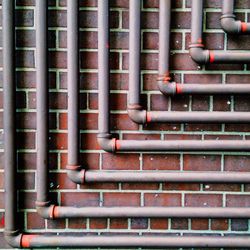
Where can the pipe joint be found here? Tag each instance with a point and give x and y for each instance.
(167, 88)
(230, 25)
(48, 212)
(14, 239)
(198, 54)
(77, 175)
(107, 142)
(137, 114)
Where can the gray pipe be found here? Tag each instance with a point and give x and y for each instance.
(196, 48)
(228, 20)
(9, 106)
(75, 171)
(172, 88)
(125, 241)
(42, 103)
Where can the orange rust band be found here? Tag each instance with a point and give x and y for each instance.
(25, 240)
(56, 212)
(117, 144)
(178, 88)
(243, 27)
(52, 212)
(211, 57)
(148, 117)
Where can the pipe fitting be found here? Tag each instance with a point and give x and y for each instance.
(198, 54)
(47, 212)
(167, 88)
(76, 175)
(14, 239)
(230, 25)
(137, 114)
(107, 142)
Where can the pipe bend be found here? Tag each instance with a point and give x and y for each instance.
(137, 114)
(77, 176)
(107, 142)
(230, 25)
(198, 54)
(46, 212)
(167, 88)
(14, 239)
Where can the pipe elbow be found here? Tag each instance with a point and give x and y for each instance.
(14, 239)
(198, 54)
(47, 212)
(230, 25)
(77, 176)
(137, 114)
(107, 142)
(167, 88)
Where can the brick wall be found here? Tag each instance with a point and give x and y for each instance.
(184, 70)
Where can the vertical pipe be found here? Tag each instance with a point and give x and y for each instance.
(42, 102)
(197, 22)
(164, 38)
(9, 115)
(227, 7)
(73, 83)
(134, 51)
(103, 66)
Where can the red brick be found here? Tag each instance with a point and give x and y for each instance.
(80, 199)
(121, 199)
(118, 223)
(199, 224)
(179, 223)
(238, 200)
(35, 221)
(203, 200)
(202, 162)
(76, 223)
(161, 162)
(160, 223)
(98, 223)
(158, 199)
(121, 162)
(219, 224)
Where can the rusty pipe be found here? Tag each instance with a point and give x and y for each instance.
(114, 241)
(9, 107)
(42, 103)
(203, 56)
(228, 20)
(75, 170)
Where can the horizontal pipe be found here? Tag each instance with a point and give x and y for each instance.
(171, 88)
(166, 176)
(198, 117)
(147, 241)
(150, 212)
(181, 145)
(228, 20)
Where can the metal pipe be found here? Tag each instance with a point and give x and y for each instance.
(42, 103)
(145, 241)
(172, 88)
(204, 56)
(228, 20)
(152, 212)
(167, 176)
(9, 88)
(75, 170)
